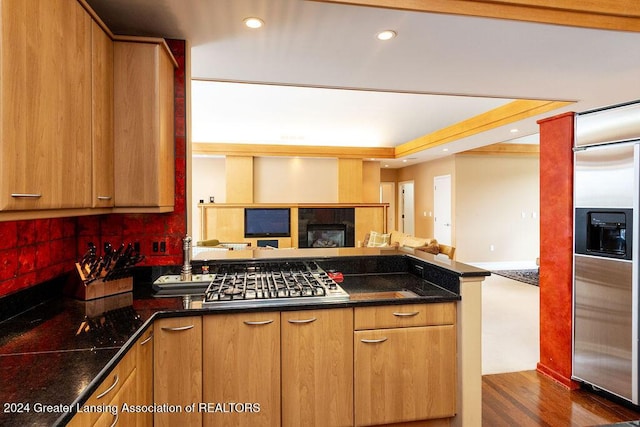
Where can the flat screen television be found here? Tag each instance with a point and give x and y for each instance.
(267, 222)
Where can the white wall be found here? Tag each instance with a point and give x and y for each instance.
(295, 180)
(497, 204)
(207, 179)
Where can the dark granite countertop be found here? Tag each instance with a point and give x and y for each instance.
(57, 352)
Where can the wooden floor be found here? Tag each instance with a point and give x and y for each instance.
(528, 398)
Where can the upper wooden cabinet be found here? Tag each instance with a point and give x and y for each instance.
(45, 111)
(144, 126)
(102, 117)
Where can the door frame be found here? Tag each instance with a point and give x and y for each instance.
(401, 206)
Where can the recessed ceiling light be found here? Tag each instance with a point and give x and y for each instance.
(253, 22)
(386, 35)
(386, 166)
(405, 161)
(514, 130)
(445, 149)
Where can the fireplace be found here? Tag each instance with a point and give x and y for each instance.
(326, 235)
(327, 227)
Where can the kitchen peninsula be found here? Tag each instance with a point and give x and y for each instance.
(84, 353)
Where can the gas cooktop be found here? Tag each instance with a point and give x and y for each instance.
(261, 284)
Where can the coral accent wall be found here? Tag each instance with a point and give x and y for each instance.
(35, 251)
(556, 247)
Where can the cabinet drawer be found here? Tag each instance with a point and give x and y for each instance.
(405, 315)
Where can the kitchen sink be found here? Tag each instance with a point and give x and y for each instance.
(383, 295)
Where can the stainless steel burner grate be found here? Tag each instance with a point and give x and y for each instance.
(272, 283)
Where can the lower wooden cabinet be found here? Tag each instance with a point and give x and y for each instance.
(406, 373)
(126, 394)
(106, 393)
(144, 376)
(333, 367)
(317, 367)
(177, 375)
(241, 376)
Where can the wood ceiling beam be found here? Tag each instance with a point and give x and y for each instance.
(619, 15)
(508, 113)
(505, 149)
(224, 149)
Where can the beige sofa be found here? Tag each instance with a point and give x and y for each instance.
(396, 239)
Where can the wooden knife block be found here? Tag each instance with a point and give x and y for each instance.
(98, 288)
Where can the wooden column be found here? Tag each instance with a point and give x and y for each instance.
(350, 181)
(371, 182)
(556, 247)
(239, 179)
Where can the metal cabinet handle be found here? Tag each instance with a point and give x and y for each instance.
(374, 341)
(104, 197)
(31, 195)
(147, 339)
(313, 319)
(177, 329)
(115, 419)
(413, 313)
(116, 379)
(262, 322)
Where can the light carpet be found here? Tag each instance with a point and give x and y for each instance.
(510, 325)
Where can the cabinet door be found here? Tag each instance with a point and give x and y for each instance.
(177, 350)
(102, 117)
(114, 416)
(45, 113)
(144, 130)
(242, 354)
(106, 392)
(144, 376)
(317, 368)
(404, 374)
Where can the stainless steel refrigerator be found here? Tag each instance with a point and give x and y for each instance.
(606, 211)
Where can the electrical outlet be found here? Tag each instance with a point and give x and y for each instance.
(163, 246)
(155, 246)
(491, 248)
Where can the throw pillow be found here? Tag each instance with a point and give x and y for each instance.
(377, 240)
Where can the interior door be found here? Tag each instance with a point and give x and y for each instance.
(406, 207)
(442, 209)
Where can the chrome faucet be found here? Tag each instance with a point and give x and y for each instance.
(185, 273)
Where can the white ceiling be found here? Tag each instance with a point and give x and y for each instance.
(307, 52)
